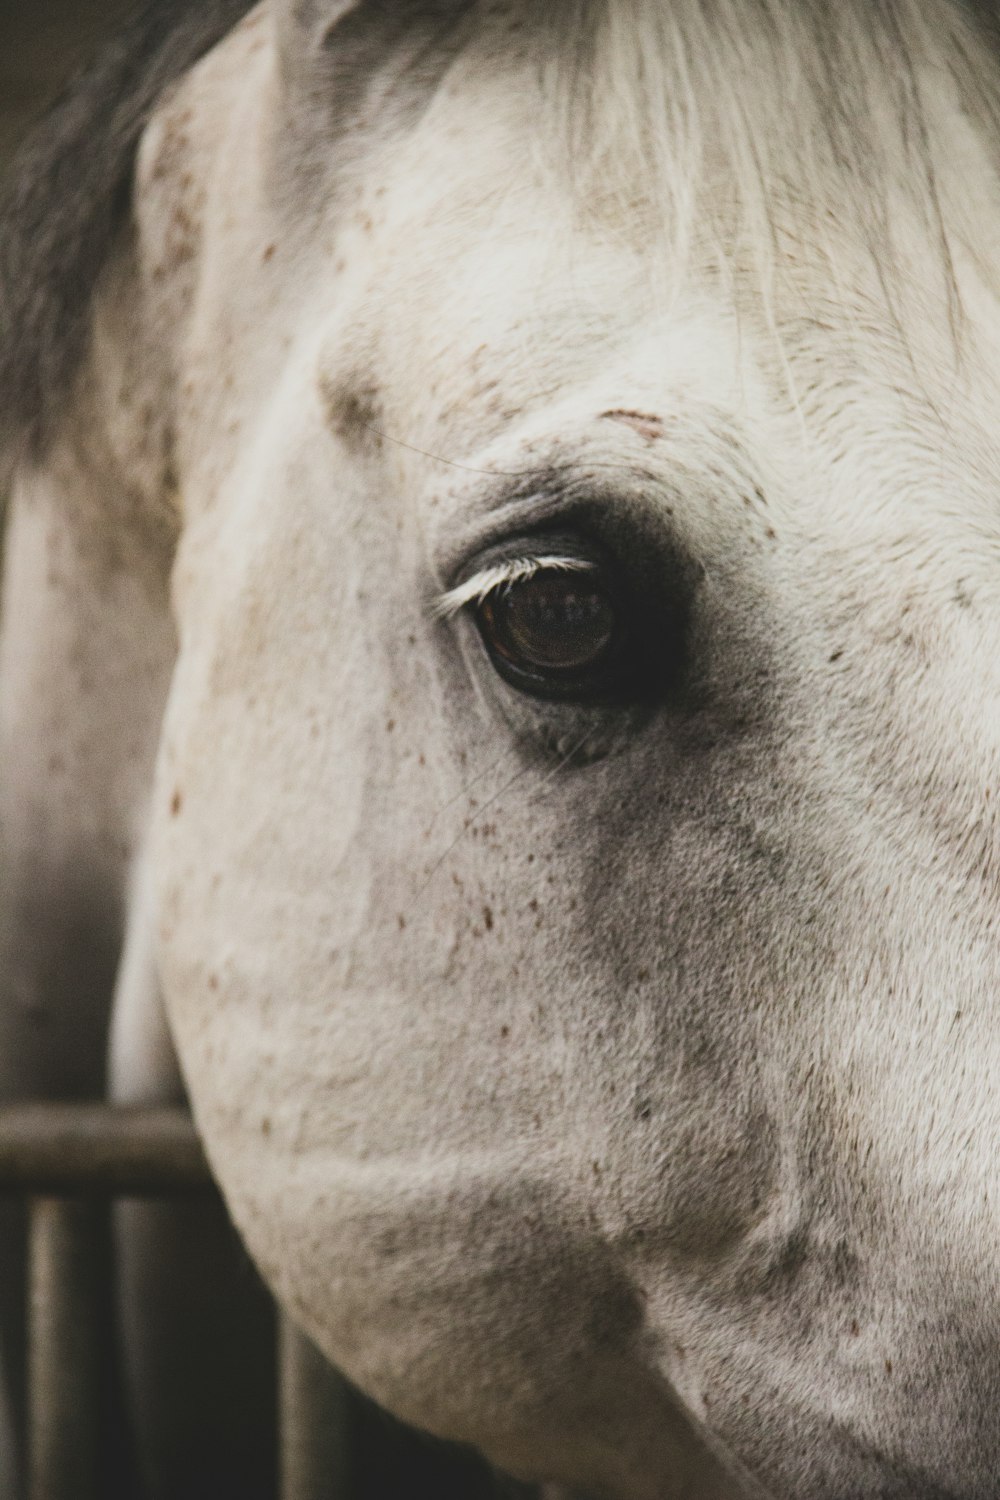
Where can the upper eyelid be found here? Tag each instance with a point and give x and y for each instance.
(478, 587)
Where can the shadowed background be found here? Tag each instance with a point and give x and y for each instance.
(42, 44)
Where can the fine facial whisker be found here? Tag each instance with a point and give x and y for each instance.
(465, 790)
(454, 463)
(468, 823)
(549, 776)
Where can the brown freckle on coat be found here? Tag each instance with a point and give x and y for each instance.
(888, 1367)
(644, 423)
(213, 981)
(642, 975)
(855, 1328)
(265, 1126)
(268, 252)
(505, 1031)
(352, 411)
(401, 921)
(390, 725)
(487, 919)
(176, 802)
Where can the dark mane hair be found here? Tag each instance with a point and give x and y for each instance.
(65, 197)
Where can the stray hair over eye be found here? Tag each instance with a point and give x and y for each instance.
(500, 574)
(551, 624)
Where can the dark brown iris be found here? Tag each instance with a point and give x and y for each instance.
(553, 622)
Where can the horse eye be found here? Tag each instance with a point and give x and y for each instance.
(556, 633)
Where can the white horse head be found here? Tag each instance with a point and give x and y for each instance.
(572, 842)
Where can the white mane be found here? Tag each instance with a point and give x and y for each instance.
(710, 132)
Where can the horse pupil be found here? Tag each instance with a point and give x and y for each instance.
(557, 621)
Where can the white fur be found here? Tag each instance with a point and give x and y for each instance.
(635, 1120)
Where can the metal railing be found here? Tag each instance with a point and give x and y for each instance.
(67, 1160)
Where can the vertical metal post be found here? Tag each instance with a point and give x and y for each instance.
(313, 1421)
(63, 1350)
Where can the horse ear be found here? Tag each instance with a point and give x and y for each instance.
(336, 50)
(311, 22)
(320, 18)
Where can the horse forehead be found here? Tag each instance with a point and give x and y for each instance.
(489, 317)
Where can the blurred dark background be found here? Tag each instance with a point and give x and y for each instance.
(42, 44)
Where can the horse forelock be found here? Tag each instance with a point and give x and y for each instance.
(736, 138)
(827, 105)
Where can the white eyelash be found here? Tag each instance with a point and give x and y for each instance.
(502, 575)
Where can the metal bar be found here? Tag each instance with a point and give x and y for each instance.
(314, 1420)
(100, 1149)
(64, 1376)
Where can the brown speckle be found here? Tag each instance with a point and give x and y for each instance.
(213, 981)
(268, 252)
(487, 919)
(176, 802)
(352, 411)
